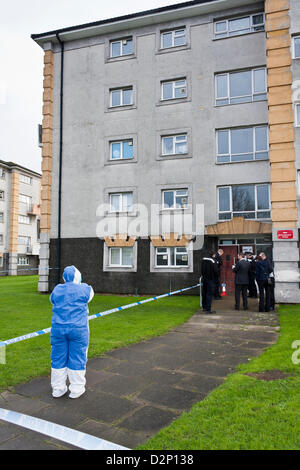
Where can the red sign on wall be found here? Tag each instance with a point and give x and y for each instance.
(285, 234)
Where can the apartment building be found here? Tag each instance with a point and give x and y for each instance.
(187, 112)
(19, 219)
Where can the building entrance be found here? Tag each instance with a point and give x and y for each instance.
(231, 248)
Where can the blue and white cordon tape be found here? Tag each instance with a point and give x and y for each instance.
(97, 315)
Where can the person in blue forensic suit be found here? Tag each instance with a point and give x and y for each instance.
(69, 334)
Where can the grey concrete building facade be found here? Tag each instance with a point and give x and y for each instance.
(166, 111)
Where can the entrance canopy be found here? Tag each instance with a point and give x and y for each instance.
(238, 226)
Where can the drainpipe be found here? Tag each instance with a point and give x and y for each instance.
(60, 157)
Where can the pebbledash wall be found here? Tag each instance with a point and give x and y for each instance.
(89, 124)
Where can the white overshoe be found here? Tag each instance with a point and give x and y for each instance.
(59, 393)
(76, 395)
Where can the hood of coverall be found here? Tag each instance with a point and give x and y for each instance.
(72, 274)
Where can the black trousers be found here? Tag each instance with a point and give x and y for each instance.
(209, 288)
(241, 288)
(217, 288)
(252, 286)
(264, 296)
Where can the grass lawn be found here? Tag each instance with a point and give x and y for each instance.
(23, 310)
(246, 413)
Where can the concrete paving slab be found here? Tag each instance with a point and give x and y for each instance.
(149, 419)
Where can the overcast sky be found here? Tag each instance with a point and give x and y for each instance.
(21, 63)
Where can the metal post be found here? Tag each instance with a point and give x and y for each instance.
(200, 288)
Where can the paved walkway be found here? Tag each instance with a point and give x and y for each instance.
(133, 392)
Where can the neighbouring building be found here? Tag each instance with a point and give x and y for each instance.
(19, 219)
(187, 105)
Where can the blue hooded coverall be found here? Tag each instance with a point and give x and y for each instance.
(69, 333)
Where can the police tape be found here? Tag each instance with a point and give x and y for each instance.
(97, 315)
(57, 431)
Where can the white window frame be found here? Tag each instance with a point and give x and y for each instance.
(121, 142)
(230, 154)
(2, 173)
(173, 32)
(227, 32)
(121, 195)
(228, 97)
(23, 261)
(174, 87)
(24, 219)
(122, 92)
(293, 47)
(27, 240)
(25, 179)
(174, 191)
(297, 106)
(120, 265)
(121, 41)
(256, 211)
(1, 239)
(1, 217)
(1, 261)
(2, 195)
(167, 253)
(174, 137)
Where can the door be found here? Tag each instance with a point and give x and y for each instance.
(229, 258)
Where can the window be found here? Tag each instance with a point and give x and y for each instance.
(297, 114)
(2, 173)
(242, 144)
(248, 201)
(23, 219)
(172, 256)
(1, 261)
(296, 43)
(174, 144)
(121, 202)
(236, 26)
(173, 89)
(175, 199)
(241, 87)
(121, 150)
(25, 199)
(25, 179)
(1, 239)
(173, 38)
(23, 261)
(1, 217)
(122, 256)
(121, 97)
(121, 47)
(2, 195)
(24, 240)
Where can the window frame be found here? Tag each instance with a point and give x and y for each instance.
(24, 244)
(121, 194)
(24, 179)
(173, 81)
(251, 27)
(2, 195)
(173, 208)
(256, 210)
(173, 31)
(24, 216)
(110, 265)
(294, 48)
(230, 154)
(253, 94)
(122, 89)
(1, 217)
(297, 106)
(2, 173)
(121, 142)
(23, 258)
(1, 239)
(168, 248)
(174, 136)
(114, 41)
